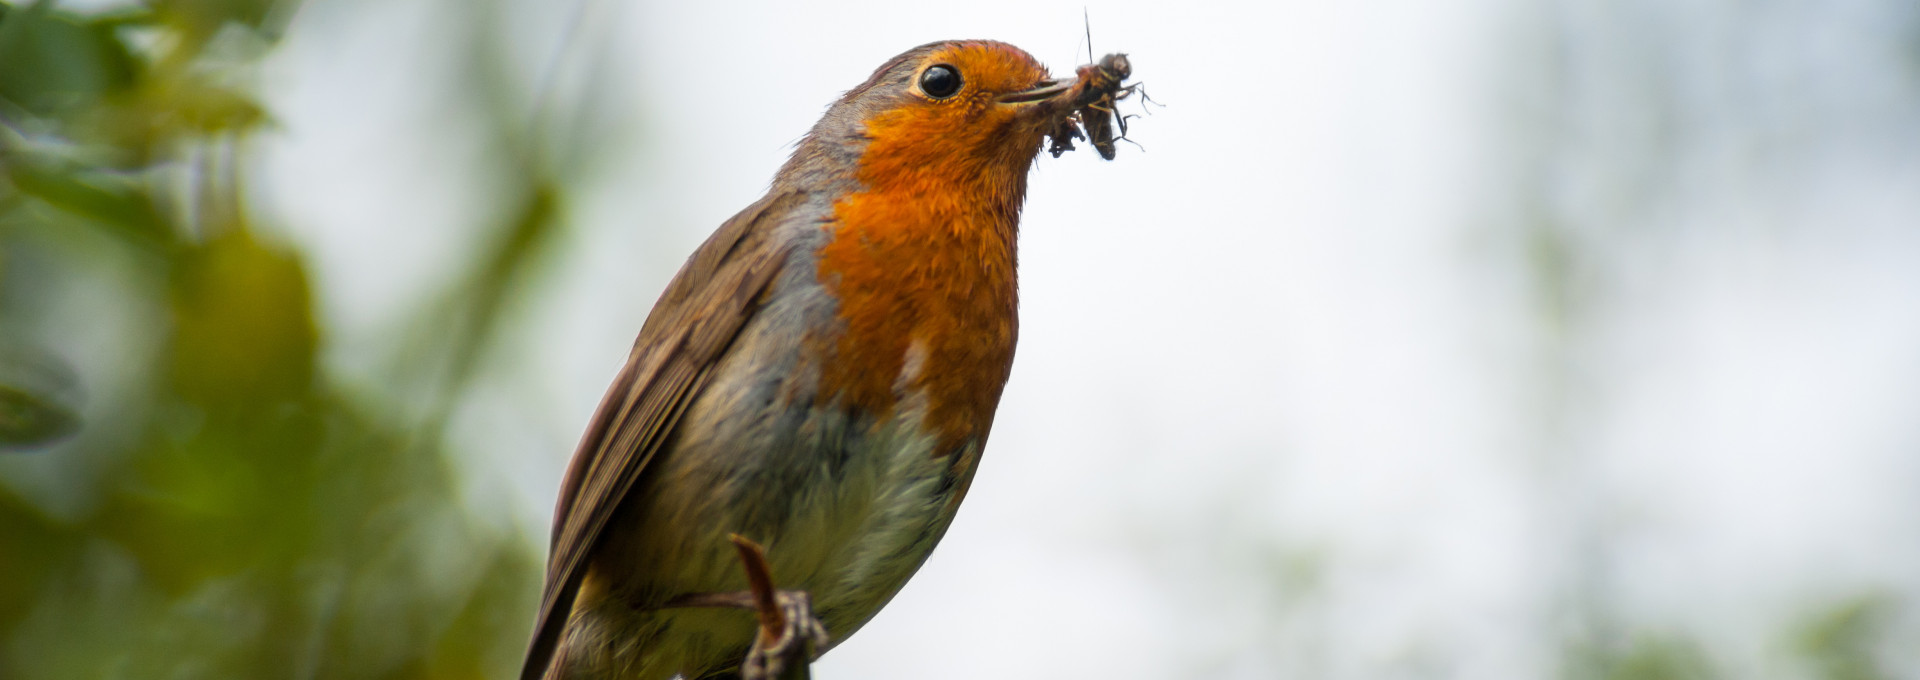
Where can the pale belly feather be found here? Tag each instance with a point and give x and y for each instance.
(846, 510)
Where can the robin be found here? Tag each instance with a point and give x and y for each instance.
(819, 377)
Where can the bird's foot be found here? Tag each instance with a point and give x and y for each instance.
(789, 635)
(772, 657)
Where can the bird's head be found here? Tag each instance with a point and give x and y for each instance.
(958, 113)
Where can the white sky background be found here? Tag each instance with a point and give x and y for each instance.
(1286, 402)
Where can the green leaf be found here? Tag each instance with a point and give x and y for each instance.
(54, 62)
(38, 398)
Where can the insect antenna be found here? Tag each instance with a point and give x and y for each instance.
(1087, 21)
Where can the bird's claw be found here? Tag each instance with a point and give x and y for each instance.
(798, 643)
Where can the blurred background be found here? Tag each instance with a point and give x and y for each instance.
(1471, 339)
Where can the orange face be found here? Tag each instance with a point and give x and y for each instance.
(965, 109)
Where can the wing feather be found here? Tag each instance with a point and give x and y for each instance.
(691, 326)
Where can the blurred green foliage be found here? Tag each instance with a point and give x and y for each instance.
(225, 510)
(1837, 642)
(1646, 657)
(1841, 641)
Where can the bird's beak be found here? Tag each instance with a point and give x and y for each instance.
(1051, 100)
(1044, 90)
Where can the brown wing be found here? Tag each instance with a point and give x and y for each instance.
(690, 327)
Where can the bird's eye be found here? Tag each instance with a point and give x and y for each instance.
(940, 81)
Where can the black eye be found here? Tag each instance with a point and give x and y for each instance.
(940, 81)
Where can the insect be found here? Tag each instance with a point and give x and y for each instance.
(1099, 116)
(1062, 136)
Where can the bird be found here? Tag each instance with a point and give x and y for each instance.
(820, 377)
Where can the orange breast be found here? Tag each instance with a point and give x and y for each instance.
(926, 255)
